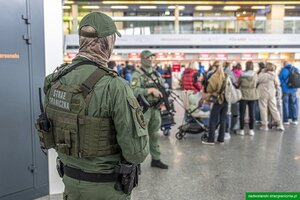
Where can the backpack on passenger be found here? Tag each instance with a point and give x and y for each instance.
(293, 78)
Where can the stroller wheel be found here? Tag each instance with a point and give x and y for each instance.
(204, 137)
(179, 135)
(166, 132)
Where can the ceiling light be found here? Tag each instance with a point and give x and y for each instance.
(258, 7)
(66, 7)
(203, 8)
(90, 7)
(173, 7)
(69, 2)
(119, 7)
(289, 7)
(202, 2)
(148, 7)
(244, 13)
(231, 7)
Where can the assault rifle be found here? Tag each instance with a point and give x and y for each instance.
(162, 89)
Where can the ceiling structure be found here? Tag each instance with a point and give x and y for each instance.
(217, 5)
(197, 2)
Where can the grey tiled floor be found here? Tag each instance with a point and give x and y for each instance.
(269, 161)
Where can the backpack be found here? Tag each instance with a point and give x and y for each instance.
(232, 94)
(293, 79)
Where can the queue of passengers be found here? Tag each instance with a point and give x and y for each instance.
(266, 96)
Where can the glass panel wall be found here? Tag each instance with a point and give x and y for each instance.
(135, 21)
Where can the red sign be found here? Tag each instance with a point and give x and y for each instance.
(247, 56)
(176, 67)
(134, 56)
(221, 56)
(161, 56)
(178, 56)
(205, 56)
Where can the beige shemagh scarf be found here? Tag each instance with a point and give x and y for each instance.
(97, 49)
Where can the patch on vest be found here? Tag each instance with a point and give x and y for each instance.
(140, 118)
(60, 99)
(134, 82)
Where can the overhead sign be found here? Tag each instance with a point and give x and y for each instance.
(247, 56)
(221, 56)
(161, 56)
(178, 56)
(134, 56)
(208, 39)
(205, 56)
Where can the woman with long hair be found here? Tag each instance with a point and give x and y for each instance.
(215, 89)
(247, 84)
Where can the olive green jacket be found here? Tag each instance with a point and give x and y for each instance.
(214, 87)
(112, 98)
(248, 84)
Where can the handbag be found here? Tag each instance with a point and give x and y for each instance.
(232, 94)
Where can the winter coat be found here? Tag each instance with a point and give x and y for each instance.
(247, 85)
(188, 80)
(283, 76)
(267, 84)
(215, 86)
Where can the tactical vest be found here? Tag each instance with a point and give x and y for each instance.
(148, 83)
(72, 132)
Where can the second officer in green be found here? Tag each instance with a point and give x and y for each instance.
(143, 84)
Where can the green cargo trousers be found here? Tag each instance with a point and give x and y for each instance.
(153, 121)
(83, 190)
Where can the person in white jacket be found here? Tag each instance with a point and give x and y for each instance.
(267, 84)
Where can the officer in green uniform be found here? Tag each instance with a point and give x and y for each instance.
(97, 125)
(142, 84)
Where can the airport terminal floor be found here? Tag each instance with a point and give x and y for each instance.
(267, 161)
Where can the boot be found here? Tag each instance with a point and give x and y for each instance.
(158, 164)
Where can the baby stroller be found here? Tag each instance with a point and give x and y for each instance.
(195, 122)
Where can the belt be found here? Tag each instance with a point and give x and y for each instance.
(90, 177)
